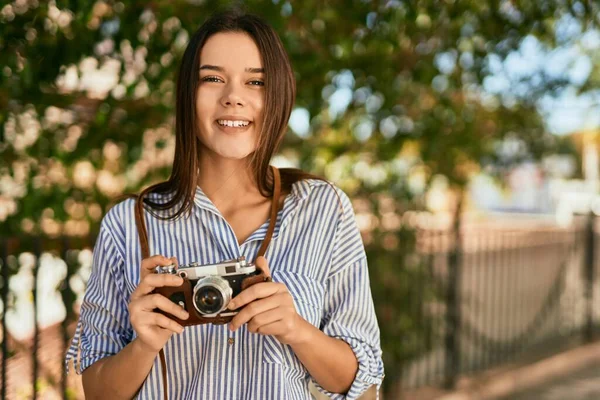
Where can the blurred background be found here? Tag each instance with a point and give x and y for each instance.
(466, 133)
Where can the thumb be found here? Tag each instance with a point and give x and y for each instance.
(263, 265)
(149, 264)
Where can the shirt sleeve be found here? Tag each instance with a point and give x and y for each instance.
(103, 328)
(349, 313)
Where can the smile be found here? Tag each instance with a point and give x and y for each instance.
(236, 124)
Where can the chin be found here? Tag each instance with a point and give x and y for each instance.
(234, 154)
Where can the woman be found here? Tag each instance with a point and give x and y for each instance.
(314, 320)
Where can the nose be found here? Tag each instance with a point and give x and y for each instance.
(231, 96)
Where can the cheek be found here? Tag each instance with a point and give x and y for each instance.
(260, 112)
(205, 102)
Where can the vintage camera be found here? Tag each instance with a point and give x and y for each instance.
(207, 289)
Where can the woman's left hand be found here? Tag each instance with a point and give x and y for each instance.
(269, 309)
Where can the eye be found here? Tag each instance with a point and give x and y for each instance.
(257, 83)
(211, 79)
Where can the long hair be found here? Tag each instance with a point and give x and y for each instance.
(280, 94)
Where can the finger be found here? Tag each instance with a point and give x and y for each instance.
(258, 291)
(265, 318)
(158, 301)
(156, 319)
(276, 328)
(263, 265)
(253, 309)
(149, 264)
(152, 281)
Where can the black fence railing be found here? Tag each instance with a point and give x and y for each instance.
(505, 290)
(512, 290)
(32, 360)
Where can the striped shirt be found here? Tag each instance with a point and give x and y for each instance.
(316, 251)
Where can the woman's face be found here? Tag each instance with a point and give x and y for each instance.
(230, 95)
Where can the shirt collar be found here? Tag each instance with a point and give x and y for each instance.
(201, 200)
(300, 191)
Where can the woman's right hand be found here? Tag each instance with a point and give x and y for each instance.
(154, 329)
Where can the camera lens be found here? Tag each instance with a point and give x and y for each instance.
(211, 295)
(209, 300)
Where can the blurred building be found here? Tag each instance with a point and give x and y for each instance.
(557, 185)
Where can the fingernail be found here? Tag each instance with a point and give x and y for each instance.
(231, 327)
(181, 330)
(231, 305)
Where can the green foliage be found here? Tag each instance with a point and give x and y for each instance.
(386, 56)
(406, 290)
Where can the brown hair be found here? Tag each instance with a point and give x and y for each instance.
(280, 93)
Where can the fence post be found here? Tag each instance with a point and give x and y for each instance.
(5, 278)
(589, 278)
(452, 338)
(37, 249)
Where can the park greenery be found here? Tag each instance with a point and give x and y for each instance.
(392, 96)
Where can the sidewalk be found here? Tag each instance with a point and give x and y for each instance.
(571, 375)
(583, 384)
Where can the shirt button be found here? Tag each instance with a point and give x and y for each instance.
(230, 341)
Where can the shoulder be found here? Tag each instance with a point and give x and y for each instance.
(331, 210)
(321, 191)
(123, 212)
(324, 201)
(112, 235)
(117, 221)
(119, 213)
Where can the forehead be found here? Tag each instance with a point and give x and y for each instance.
(231, 50)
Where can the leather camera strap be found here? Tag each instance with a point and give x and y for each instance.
(143, 236)
(274, 210)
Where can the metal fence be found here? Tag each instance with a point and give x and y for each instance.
(507, 290)
(512, 291)
(33, 270)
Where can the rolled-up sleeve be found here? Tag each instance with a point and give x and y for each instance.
(103, 328)
(349, 313)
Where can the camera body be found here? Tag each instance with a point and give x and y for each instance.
(207, 289)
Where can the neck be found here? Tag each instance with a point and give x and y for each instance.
(225, 180)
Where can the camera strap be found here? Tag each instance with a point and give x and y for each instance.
(143, 236)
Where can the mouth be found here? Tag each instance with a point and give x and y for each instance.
(233, 123)
(232, 126)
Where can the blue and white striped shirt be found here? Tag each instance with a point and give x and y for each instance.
(316, 251)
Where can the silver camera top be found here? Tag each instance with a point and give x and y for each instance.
(166, 269)
(236, 266)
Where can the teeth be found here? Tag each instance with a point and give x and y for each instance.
(236, 124)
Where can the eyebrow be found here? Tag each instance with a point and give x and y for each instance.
(220, 69)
